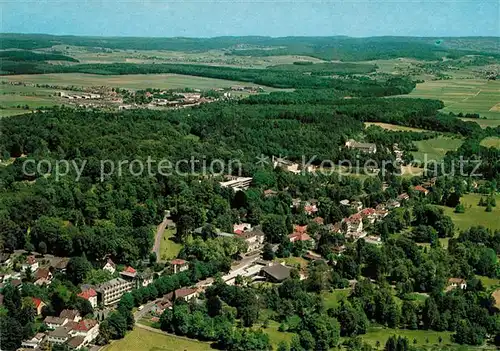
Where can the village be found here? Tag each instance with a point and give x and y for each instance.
(76, 331)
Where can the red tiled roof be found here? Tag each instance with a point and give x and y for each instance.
(354, 218)
(421, 189)
(319, 220)
(177, 261)
(238, 231)
(85, 325)
(87, 294)
(130, 270)
(299, 228)
(30, 259)
(36, 301)
(368, 211)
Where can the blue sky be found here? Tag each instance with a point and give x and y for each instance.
(208, 18)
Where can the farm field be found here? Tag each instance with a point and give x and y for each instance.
(211, 57)
(435, 149)
(474, 215)
(463, 95)
(168, 248)
(394, 127)
(131, 81)
(491, 142)
(145, 340)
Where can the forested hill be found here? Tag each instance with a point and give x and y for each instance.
(328, 48)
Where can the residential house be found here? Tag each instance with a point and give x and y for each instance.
(53, 322)
(276, 273)
(71, 315)
(162, 305)
(391, 204)
(310, 208)
(60, 264)
(254, 238)
(179, 265)
(34, 342)
(421, 190)
(75, 342)
(368, 148)
(39, 304)
(454, 283)
(86, 328)
(270, 193)
(129, 273)
(241, 227)
(111, 291)
(370, 214)
(319, 220)
(60, 335)
(110, 266)
(354, 223)
(299, 234)
(186, 294)
(43, 276)
(90, 295)
(403, 197)
(143, 279)
(30, 263)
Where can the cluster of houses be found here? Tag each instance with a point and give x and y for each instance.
(42, 275)
(69, 328)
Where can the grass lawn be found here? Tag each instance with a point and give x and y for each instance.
(435, 149)
(474, 215)
(380, 334)
(332, 299)
(489, 283)
(168, 248)
(463, 95)
(275, 335)
(294, 261)
(394, 127)
(491, 142)
(144, 340)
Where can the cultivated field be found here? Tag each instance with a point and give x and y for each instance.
(475, 215)
(491, 142)
(131, 81)
(435, 149)
(463, 95)
(393, 127)
(211, 57)
(144, 340)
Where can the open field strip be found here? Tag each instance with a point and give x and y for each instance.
(491, 142)
(130, 81)
(393, 127)
(475, 215)
(463, 95)
(141, 339)
(436, 148)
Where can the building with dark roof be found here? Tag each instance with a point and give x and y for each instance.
(276, 273)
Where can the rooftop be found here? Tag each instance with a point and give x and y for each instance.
(278, 271)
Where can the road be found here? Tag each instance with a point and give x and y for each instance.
(147, 307)
(159, 235)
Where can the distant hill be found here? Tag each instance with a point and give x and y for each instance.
(327, 48)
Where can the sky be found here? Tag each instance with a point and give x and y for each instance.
(209, 18)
